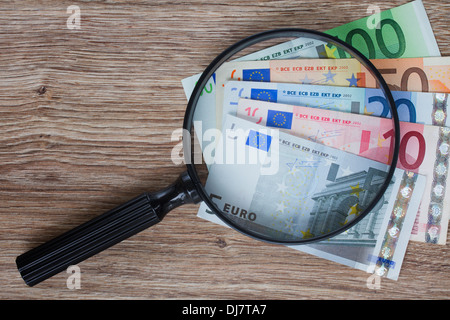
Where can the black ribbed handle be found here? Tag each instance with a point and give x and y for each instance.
(103, 231)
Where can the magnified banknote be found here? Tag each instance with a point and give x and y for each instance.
(375, 244)
(417, 107)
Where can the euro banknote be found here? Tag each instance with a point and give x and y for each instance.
(401, 32)
(418, 107)
(423, 149)
(410, 34)
(288, 203)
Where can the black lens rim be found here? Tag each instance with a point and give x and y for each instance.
(228, 53)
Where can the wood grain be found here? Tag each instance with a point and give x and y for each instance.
(86, 123)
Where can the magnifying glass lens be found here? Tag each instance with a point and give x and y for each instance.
(283, 140)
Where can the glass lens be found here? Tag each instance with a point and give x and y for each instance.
(285, 143)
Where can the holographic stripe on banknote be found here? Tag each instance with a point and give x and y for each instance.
(386, 254)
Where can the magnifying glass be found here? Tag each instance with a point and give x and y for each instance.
(305, 198)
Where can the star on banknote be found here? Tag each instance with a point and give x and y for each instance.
(329, 76)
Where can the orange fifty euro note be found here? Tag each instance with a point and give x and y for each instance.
(407, 74)
(416, 74)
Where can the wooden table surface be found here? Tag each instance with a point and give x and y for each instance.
(86, 123)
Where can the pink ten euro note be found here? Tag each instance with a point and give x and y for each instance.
(423, 148)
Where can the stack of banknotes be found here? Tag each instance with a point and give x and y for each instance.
(419, 79)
